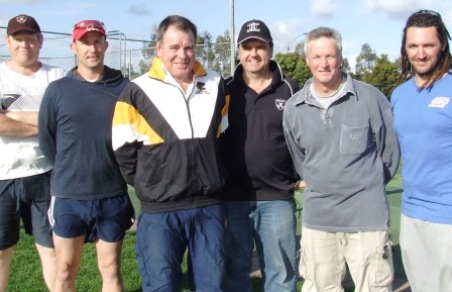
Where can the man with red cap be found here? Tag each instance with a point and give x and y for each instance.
(24, 171)
(90, 202)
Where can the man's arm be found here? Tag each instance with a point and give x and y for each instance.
(386, 139)
(27, 117)
(13, 128)
(47, 127)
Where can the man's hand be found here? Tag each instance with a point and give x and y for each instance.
(299, 185)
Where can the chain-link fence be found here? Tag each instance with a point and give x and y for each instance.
(132, 57)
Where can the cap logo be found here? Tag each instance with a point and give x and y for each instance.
(91, 27)
(21, 18)
(253, 26)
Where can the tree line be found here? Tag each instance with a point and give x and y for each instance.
(371, 68)
(376, 70)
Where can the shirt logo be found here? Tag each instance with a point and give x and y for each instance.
(253, 26)
(202, 89)
(8, 99)
(439, 102)
(280, 104)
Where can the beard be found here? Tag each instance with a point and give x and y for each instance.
(429, 72)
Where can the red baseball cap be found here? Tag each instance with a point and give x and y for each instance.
(84, 26)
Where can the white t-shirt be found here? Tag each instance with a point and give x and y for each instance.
(21, 157)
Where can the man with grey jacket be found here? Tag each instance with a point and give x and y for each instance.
(340, 135)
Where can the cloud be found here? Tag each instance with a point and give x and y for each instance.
(398, 8)
(287, 34)
(323, 8)
(139, 10)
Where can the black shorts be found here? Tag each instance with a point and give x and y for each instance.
(106, 219)
(27, 198)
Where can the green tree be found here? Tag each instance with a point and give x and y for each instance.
(346, 66)
(294, 66)
(385, 75)
(204, 50)
(365, 61)
(222, 54)
(148, 51)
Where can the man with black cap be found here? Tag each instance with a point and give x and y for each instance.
(24, 171)
(260, 187)
(90, 202)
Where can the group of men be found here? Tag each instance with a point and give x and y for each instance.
(215, 162)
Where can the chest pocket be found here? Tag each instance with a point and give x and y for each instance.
(354, 140)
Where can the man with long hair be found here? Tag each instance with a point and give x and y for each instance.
(423, 123)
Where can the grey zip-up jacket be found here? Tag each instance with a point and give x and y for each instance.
(346, 155)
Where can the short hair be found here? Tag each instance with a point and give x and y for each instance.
(427, 18)
(180, 22)
(320, 32)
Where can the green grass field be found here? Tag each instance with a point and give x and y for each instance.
(26, 271)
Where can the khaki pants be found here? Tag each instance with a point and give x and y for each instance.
(426, 253)
(324, 256)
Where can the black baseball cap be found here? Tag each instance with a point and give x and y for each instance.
(254, 29)
(22, 22)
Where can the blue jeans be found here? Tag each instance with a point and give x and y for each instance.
(270, 225)
(163, 238)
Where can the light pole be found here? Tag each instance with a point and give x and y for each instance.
(232, 39)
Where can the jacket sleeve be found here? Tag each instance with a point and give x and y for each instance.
(386, 139)
(47, 124)
(124, 138)
(131, 130)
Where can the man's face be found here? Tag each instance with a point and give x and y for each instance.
(177, 52)
(24, 47)
(255, 56)
(324, 61)
(423, 49)
(90, 50)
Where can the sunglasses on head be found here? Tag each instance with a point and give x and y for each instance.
(90, 25)
(434, 16)
(428, 12)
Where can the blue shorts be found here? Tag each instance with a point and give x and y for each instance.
(27, 198)
(106, 219)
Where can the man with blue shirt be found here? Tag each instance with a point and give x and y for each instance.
(90, 202)
(423, 123)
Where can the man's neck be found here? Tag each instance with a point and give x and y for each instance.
(327, 89)
(26, 70)
(258, 81)
(91, 74)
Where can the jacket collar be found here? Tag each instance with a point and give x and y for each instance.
(158, 71)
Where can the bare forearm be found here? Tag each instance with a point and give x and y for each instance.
(16, 129)
(27, 117)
